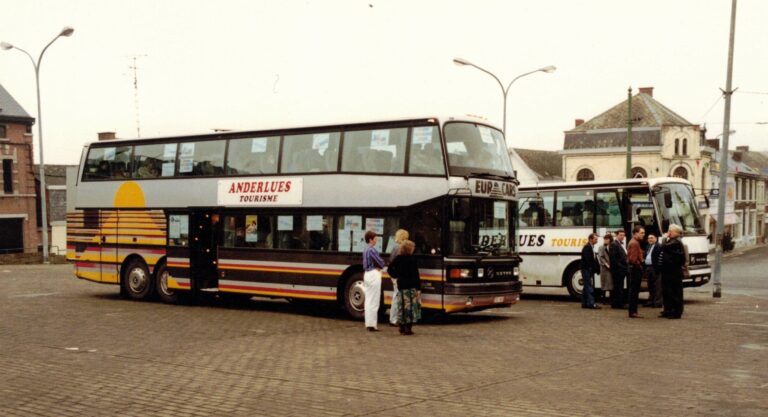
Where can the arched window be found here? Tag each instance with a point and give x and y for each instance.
(677, 146)
(585, 174)
(638, 172)
(685, 146)
(680, 172)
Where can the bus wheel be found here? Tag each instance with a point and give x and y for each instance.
(354, 296)
(166, 294)
(574, 282)
(137, 280)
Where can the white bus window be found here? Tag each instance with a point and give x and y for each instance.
(536, 209)
(318, 152)
(379, 151)
(426, 155)
(153, 161)
(201, 158)
(108, 163)
(253, 156)
(607, 209)
(574, 208)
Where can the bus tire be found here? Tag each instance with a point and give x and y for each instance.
(165, 294)
(573, 280)
(137, 281)
(354, 296)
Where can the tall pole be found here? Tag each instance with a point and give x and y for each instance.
(67, 31)
(717, 284)
(629, 132)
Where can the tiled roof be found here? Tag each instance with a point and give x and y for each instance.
(10, 108)
(646, 112)
(546, 164)
(54, 174)
(610, 139)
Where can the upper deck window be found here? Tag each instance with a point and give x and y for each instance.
(476, 149)
(108, 163)
(253, 156)
(318, 152)
(376, 151)
(153, 161)
(204, 158)
(426, 155)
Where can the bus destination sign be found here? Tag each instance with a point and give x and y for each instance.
(493, 189)
(285, 191)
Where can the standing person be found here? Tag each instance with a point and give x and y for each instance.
(635, 258)
(606, 280)
(672, 264)
(589, 267)
(652, 273)
(618, 255)
(372, 264)
(409, 287)
(400, 236)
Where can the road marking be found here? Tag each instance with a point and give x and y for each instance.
(753, 346)
(39, 294)
(748, 324)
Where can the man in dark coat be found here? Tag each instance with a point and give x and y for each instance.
(672, 263)
(589, 267)
(652, 272)
(618, 255)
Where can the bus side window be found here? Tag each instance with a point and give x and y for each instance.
(536, 209)
(575, 208)
(318, 152)
(607, 209)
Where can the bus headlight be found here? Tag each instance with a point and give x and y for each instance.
(461, 273)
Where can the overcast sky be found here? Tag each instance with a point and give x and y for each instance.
(245, 65)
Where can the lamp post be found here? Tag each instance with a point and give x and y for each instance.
(67, 31)
(547, 69)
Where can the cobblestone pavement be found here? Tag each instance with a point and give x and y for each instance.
(74, 348)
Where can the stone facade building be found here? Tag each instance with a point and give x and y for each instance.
(663, 144)
(19, 230)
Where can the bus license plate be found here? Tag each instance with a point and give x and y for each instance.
(498, 299)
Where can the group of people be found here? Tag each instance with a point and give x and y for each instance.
(406, 283)
(663, 264)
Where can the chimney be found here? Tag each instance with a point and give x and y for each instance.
(714, 143)
(743, 148)
(106, 135)
(579, 122)
(736, 156)
(646, 90)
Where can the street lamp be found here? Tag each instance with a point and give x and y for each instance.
(67, 31)
(547, 69)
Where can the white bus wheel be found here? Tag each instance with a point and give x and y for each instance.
(354, 296)
(574, 281)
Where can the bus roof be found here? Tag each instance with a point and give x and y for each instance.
(650, 182)
(299, 128)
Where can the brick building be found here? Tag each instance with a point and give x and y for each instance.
(19, 230)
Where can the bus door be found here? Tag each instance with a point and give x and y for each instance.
(641, 212)
(203, 248)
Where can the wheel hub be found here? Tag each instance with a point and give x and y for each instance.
(357, 296)
(138, 280)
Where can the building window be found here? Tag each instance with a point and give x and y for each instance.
(685, 146)
(8, 176)
(3, 131)
(638, 172)
(680, 172)
(585, 175)
(677, 146)
(703, 177)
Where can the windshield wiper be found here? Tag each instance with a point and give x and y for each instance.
(489, 175)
